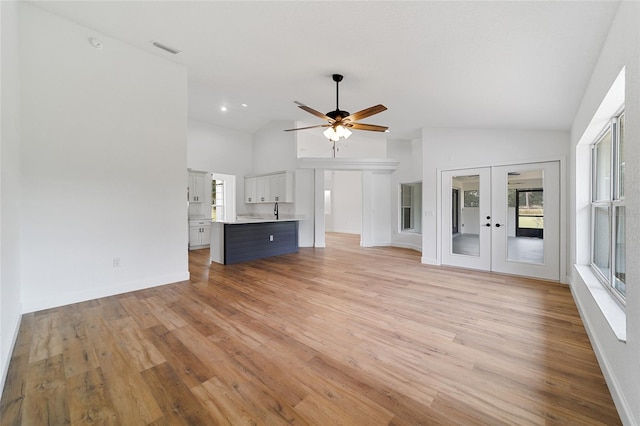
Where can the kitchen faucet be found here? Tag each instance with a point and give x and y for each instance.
(275, 210)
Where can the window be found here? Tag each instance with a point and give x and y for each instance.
(217, 199)
(411, 207)
(608, 208)
(327, 201)
(472, 198)
(529, 213)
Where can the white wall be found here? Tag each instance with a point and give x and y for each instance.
(409, 155)
(103, 165)
(618, 360)
(464, 148)
(346, 206)
(215, 149)
(274, 150)
(10, 299)
(470, 220)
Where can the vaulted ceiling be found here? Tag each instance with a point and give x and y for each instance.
(495, 64)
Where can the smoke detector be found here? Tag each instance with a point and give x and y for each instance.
(95, 43)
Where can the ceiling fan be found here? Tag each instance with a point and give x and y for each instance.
(339, 122)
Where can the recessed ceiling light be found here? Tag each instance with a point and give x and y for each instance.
(223, 109)
(386, 131)
(245, 105)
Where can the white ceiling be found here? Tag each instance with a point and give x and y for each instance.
(490, 64)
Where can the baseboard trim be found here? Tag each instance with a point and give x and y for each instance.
(407, 246)
(96, 293)
(5, 367)
(430, 261)
(624, 411)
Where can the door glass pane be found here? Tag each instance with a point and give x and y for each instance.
(601, 239)
(525, 216)
(620, 267)
(465, 233)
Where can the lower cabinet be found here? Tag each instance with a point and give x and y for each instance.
(199, 234)
(250, 241)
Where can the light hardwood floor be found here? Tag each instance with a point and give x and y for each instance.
(341, 335)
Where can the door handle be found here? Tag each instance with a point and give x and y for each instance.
(497, 225)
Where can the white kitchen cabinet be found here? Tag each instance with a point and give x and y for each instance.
(199, 233)
(262, 189)
(269, 188)
(250, 190)
(281, 188)
(197, 186)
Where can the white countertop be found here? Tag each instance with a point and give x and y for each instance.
(253, 219)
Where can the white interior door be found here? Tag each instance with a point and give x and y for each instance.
(466, 204)
(526, 205)
(503, 219)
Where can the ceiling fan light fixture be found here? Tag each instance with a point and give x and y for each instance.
(342, 132)
(329, 133)
(334, 133)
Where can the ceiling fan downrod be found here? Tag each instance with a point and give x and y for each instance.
(337, 78)
(337, 115)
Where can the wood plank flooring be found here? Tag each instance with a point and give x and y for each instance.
(341, 335)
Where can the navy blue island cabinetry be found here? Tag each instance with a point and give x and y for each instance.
(241, 241)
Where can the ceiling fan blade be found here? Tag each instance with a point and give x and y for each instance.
(309, 127)
(370, 127)
(314, 112)
(356, 116)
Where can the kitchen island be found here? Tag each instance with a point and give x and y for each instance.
(249, 238)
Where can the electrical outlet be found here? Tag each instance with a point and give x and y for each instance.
(116, 262)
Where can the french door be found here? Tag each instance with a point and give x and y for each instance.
(503, 219)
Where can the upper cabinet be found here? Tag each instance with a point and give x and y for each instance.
(281, 188)
(197, 186)
(250, 190)
(270, 188)
(262, 189)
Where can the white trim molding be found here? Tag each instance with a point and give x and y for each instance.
(325, 163)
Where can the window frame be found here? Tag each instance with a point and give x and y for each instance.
(415, 211)
(614, 201)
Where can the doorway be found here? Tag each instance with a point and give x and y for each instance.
(503, 219)
(343, 201)
(223, 197)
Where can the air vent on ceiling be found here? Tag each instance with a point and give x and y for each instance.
(166, 48)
